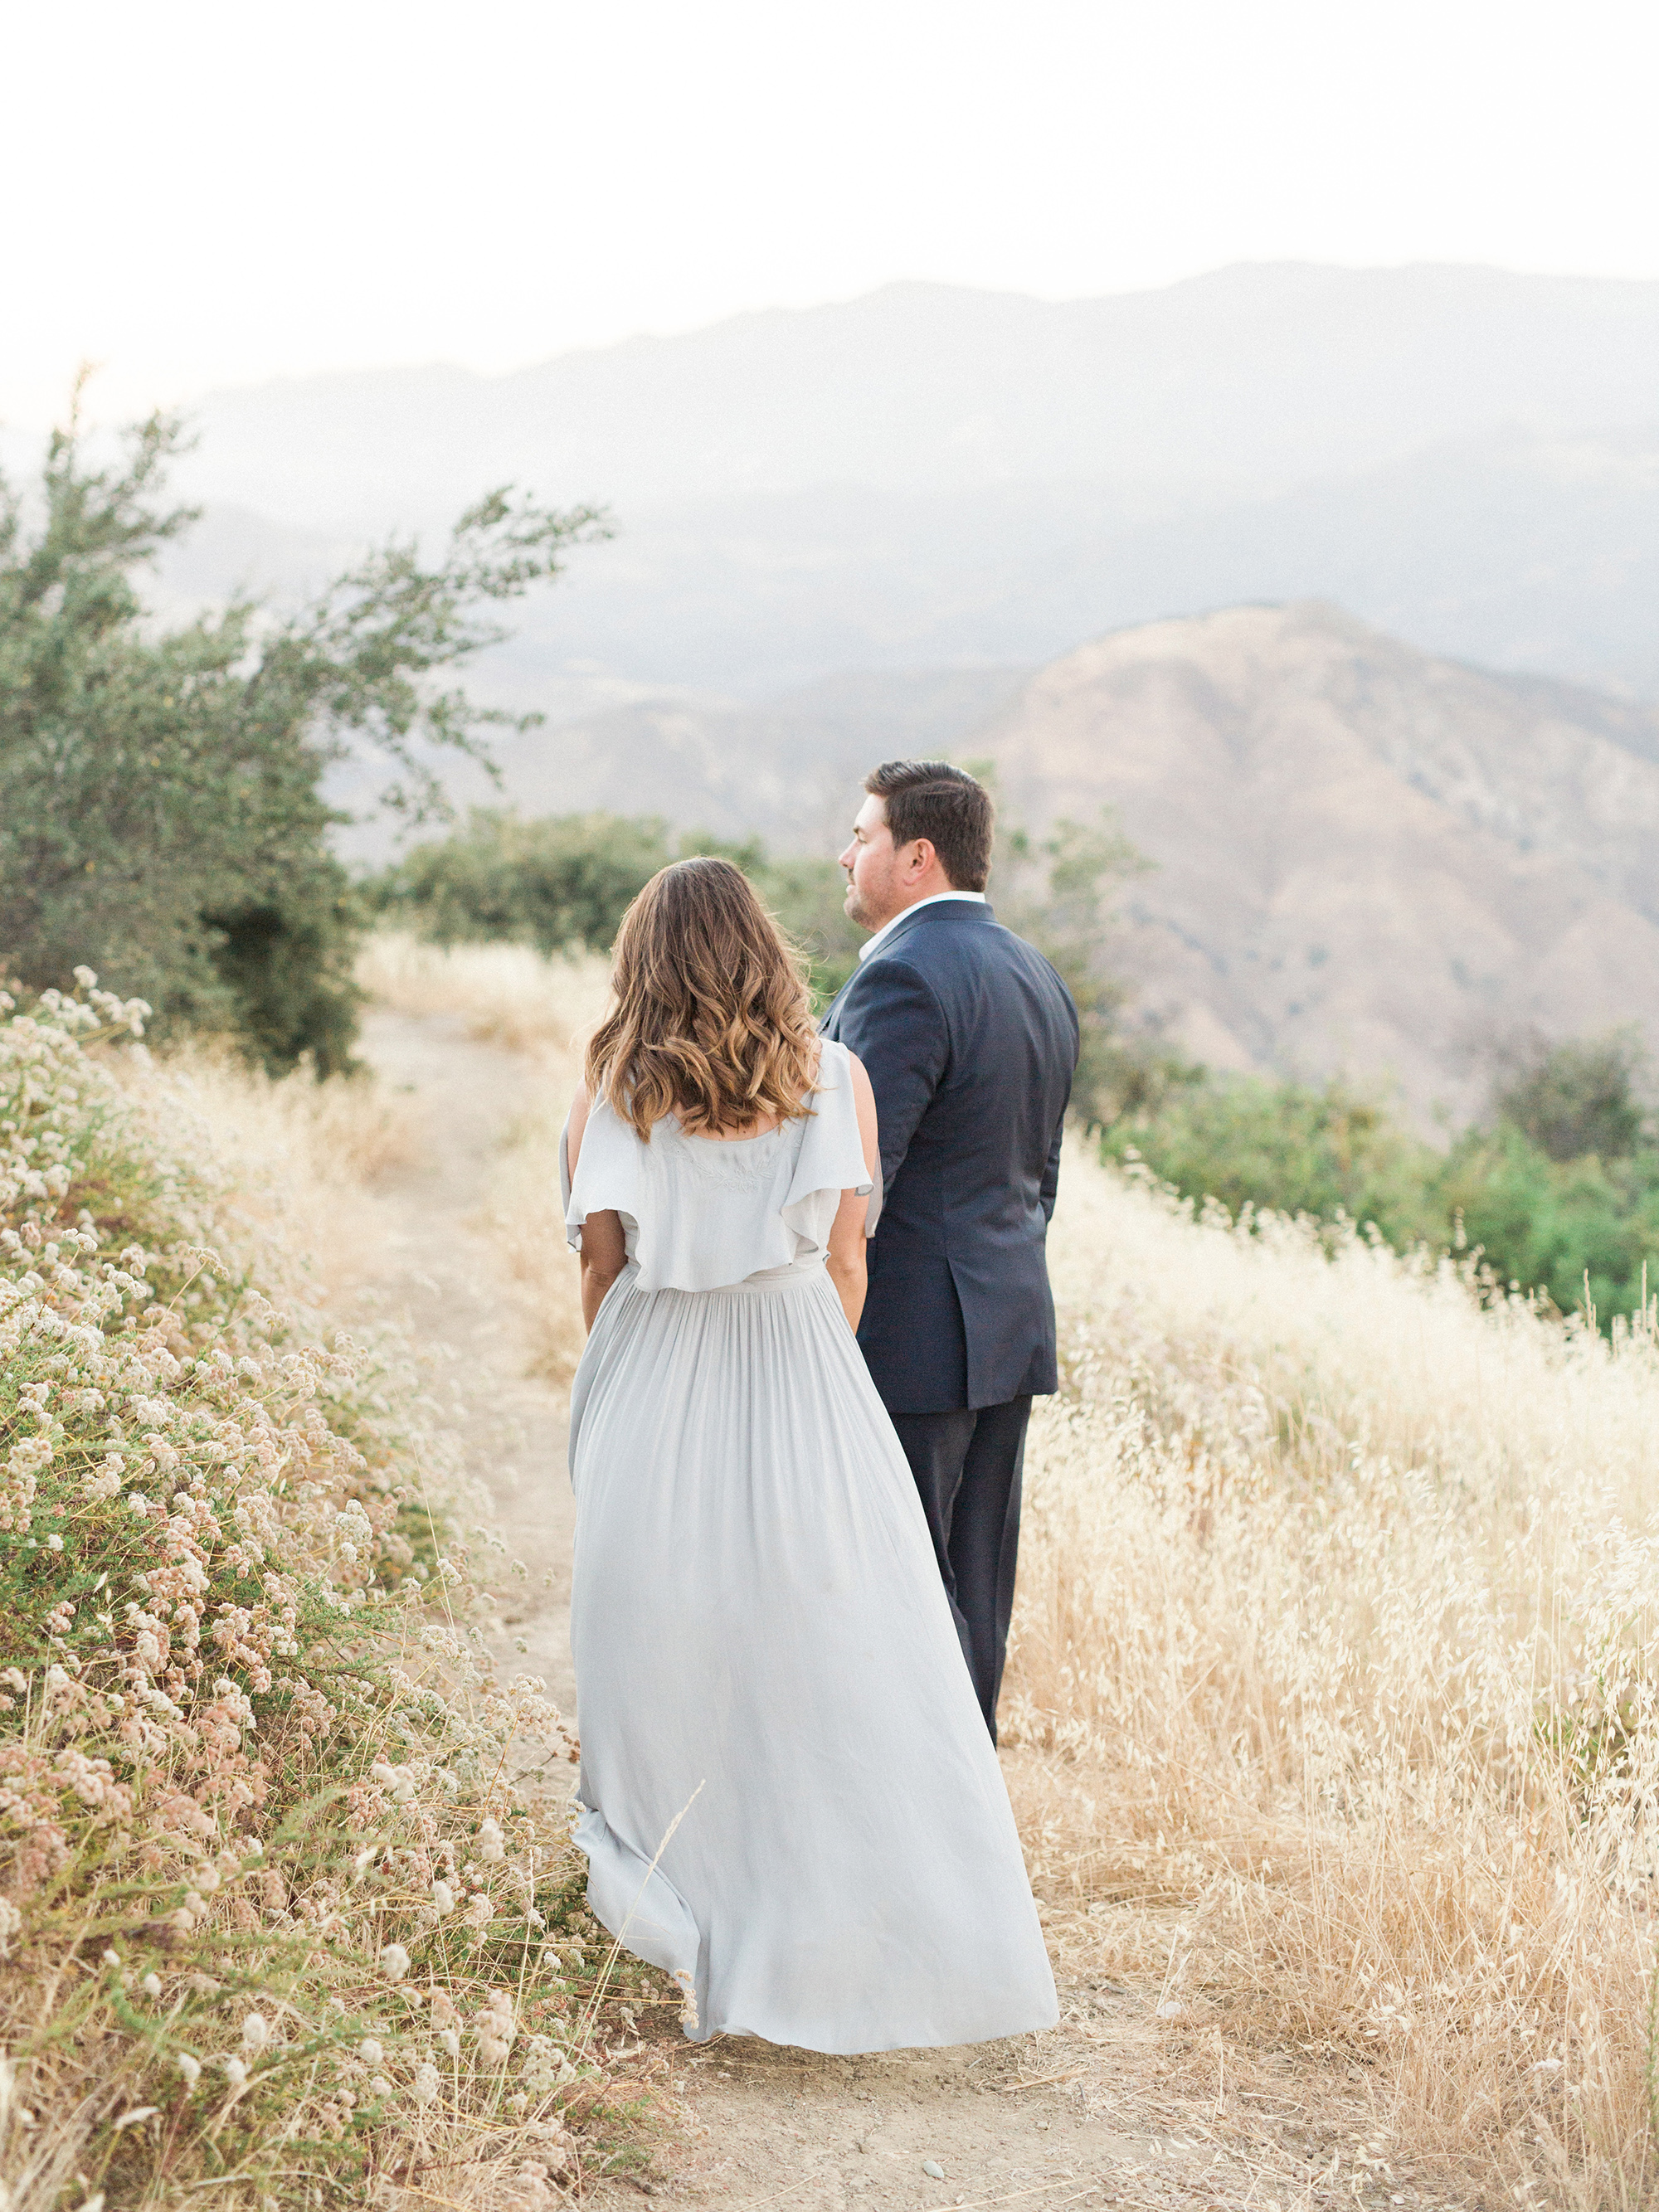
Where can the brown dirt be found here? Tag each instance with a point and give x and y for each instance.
(437, 1276)
(1114, 2106)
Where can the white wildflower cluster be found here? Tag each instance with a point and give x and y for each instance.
(496, 2029)
(198, 1510)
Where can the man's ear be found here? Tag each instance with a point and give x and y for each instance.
(922, 856)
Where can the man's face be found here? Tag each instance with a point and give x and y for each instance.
(873, 896)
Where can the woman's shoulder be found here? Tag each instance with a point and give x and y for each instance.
(603, 1132)
(838, 1084)
(834, 1061)
(841, 1070)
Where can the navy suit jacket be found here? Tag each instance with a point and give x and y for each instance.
(970, 1040)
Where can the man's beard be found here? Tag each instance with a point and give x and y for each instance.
(856, 910)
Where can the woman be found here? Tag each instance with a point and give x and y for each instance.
(788, 1798)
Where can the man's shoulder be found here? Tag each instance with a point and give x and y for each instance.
(878, 987)
(934, 935)
(890, 972)
(941, 947)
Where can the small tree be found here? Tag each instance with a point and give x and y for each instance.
(555, 881)
(162, 814)
(1577, 1099)
(1061, 892)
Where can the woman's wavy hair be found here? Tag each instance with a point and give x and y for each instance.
(711, 1020)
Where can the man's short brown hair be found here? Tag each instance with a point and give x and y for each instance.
(945, 805)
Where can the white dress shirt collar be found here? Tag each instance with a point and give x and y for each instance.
(976, 898)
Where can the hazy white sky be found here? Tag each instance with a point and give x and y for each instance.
(199, 193)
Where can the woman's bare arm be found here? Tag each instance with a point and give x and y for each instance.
(845, 1261)
(605, 1248)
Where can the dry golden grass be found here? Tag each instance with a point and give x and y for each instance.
(505, 995)
(525, 1220)
(1331, 1700)
(541, 1009)
(1337, 1625)
(307, 1157)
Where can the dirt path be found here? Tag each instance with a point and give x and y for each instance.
(1114, 2106)
(438, 1277)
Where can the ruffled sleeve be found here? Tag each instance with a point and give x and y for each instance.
(607, 1177)
(831, 1155)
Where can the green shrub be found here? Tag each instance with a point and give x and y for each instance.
(1548, 1224)
(558, 883)
(1509, 1191)
(1578, 1099)
(1246, 1141)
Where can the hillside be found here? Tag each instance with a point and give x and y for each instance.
(1366, 857)
(787, 768)
(929, 475)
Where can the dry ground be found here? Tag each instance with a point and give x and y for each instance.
(1118, 2104)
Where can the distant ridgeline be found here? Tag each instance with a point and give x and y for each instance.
(931, 476)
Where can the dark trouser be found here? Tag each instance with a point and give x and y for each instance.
(968, 1467)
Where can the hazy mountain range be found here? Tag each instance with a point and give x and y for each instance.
(889, 526)
(1260, 376)
(929, 475)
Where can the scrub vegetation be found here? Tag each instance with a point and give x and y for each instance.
(286, 1901)
(1554, 1190)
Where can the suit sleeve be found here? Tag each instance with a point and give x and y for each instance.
(1050, 1189)
(892, 1021)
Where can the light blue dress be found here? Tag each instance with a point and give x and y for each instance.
(767, 1674)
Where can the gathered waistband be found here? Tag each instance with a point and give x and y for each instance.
(754, 1286)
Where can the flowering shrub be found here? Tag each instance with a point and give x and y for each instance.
(270, 1896)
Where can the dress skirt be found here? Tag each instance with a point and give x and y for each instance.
(772, 1697)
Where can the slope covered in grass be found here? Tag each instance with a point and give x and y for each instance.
(281, 1909)
(1330, 1714)
(1339, 1623)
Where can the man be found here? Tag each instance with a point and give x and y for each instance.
(970, 1040)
